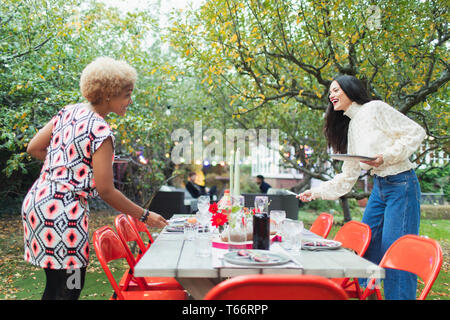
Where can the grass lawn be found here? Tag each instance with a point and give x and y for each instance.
(21, 280)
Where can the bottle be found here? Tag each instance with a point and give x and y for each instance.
(261, 231)
(225, 201)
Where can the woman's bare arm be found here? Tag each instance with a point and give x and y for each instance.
(37, 147)
(103, 177)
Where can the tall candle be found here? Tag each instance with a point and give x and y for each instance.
(236, 186)
(231, 174)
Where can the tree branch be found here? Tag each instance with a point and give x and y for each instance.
(420, 95)
(35, 48)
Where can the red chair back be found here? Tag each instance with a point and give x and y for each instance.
(109, 247)
(139, 226)
(355, 235)
(419, 255)
(127, 233)
(277, 287)
(322, 225)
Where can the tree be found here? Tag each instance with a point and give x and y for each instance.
(45, 44)
(273, 62)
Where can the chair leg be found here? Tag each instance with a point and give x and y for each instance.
(358, 289)
(372, 292)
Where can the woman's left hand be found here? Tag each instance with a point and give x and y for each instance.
(305, 196)
(375, 163)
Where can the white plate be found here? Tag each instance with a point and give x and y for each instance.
(273, 259)
(322, 244)
(344, 157)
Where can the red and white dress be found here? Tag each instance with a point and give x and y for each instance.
(55, 211)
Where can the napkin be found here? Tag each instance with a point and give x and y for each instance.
(219, 262)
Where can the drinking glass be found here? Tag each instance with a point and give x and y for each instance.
(261, 204)
(190, 230)
(203, 215)
(278, 216)
(203, 203)
(203, 243)
(241, 201)
(291, 233)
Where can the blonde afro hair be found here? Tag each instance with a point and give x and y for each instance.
(106, 77)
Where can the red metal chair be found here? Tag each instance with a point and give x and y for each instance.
(277, 287)
(139, 227)
(416, 254)
(356, 236)
(109, 247)
(322, 225)
(127, 234)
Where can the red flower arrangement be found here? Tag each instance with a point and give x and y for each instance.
(218, 218)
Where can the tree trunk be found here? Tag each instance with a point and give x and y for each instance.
(346, 209)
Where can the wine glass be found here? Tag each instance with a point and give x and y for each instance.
(278, 216)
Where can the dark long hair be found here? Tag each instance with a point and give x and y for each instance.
(336, 123)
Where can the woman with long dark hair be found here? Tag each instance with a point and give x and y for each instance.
(355, 125)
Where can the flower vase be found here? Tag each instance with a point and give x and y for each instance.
(237, 226)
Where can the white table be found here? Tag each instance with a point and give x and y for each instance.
(172, 256)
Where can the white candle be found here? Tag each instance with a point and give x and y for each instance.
(231, 174)
(236, 186)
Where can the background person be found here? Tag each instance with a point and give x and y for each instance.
(77, 146)
(194, 189)
(263, 186)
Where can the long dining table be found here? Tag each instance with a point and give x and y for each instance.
(171, 255)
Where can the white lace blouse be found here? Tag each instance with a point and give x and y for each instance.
(375, 128)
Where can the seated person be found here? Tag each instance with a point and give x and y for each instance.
(194, 189)
(263, 186)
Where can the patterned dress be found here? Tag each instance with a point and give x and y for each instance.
(55, 212)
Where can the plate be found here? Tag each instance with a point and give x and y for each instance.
(322, 244)
(344, 157)
(178, 220)
(177, 227)
(274, 259)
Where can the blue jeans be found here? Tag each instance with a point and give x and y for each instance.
(393, 210)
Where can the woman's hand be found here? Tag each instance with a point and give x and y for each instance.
(156, 220)
(305, 196)
(375, 163)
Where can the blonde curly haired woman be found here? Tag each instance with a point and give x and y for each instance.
(77, 147)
